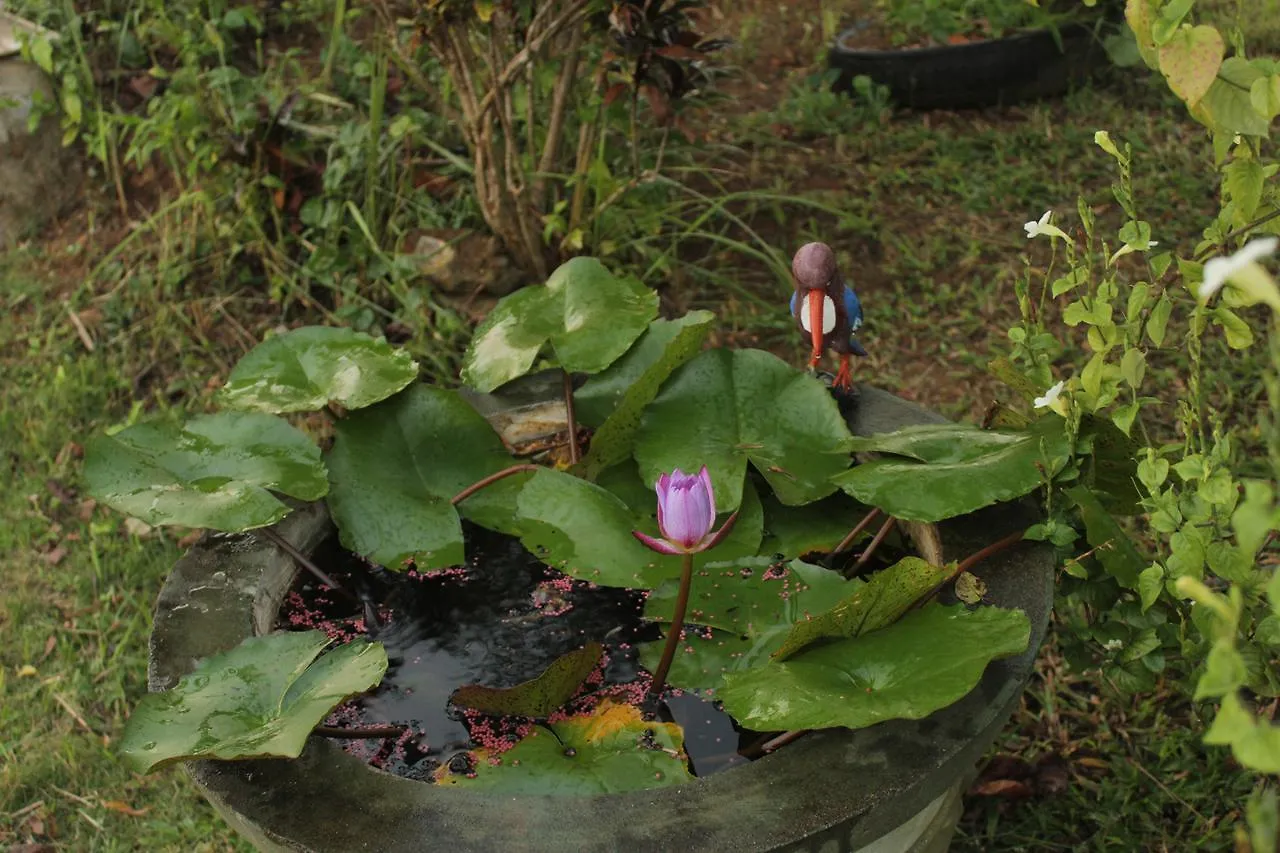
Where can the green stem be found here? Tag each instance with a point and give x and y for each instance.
(490, 480)
(673, 631)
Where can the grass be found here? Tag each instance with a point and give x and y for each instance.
(927, 219)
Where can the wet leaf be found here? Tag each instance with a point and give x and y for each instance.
(396, 465)
(884, 598)
(214, 471)
(260, 699)
(589, 316)
(308, 368)
(613, 400)
(927, 660)
(745, 615)
(610, 751)
(539, 696)
(726, 408)
(954, 479)
(793, 531)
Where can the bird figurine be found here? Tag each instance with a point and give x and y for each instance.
(826, 309)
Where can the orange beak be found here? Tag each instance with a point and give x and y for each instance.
(815, 324)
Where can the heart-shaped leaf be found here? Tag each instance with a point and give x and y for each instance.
(1228, 106)
(589, 316)
(609, 751)
(1190, 61)
(925, 661)
(395, 467)
(260, 699)
(537, 697)
(880, 602)
(727, 407)
(308, 368)
(745, 612)
(613, 400)
(584, 531)
(214, 471)
(793, 531)
(951, 481)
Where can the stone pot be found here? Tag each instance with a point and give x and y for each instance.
(891, 787)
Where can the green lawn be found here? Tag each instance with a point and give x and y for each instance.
(931, 234)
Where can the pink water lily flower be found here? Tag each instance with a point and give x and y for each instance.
(686, 514)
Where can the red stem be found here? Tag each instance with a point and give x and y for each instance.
(857, 528)
(873, 545)
(677, 625)
(490, 480)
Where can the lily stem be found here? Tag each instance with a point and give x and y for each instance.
(677, 625)
(873, 545)
(857, 528)
(490, 480)
(573, 423)
(302, 560)
(978, 556)
(360, 734)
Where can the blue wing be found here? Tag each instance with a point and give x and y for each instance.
(852, 307)
(794, 296)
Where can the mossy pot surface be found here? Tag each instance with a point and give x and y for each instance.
(834, 790)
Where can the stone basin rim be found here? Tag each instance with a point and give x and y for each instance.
(832, 790)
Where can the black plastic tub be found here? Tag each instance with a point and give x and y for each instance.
(1026, 66)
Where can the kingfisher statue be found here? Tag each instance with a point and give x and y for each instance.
(826, 309)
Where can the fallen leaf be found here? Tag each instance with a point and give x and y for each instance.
(124, 808)
(1007, 788)
(54, 556)
(85, 510)
(137, 527)
(1092, 763)
(190, 539)
(49, 645)
(144, 85)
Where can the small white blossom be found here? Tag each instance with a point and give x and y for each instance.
(1050, 397)
(1218, 270)
(1044, 227)
(1113, 645)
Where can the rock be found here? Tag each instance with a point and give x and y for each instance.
(463, 263)
(39, 177)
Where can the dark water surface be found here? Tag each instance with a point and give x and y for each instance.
(497, 621)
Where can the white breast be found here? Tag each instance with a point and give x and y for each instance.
(828, 312)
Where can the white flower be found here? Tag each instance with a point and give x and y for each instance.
(1113, 645)
(1050, 397)
(1044, 227)
(1218, 270)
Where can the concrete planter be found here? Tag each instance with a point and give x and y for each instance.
(891, 787)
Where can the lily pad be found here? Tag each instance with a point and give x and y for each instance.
(258, 700)
(308, 368)
(793, 531)
(585, 531)
(726, 408)
(745, 615)
(610, 751)
(884, 598)
(214, 471)
(539, 696)
(396, 466)
(925, 661)
(588, 315)
(958, 470)
(613, 400)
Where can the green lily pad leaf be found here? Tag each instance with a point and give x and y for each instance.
(631, 383)
(609, 751)
(793, 531)
(743, 541)
(584, 531)
(539, 696)
(952, 479)
(925, 661)
(395, 467)
(258, 700)
(881, 602)
(214, 471)
(744, 611)
(727, 407)
(589, 316)
(306, 369)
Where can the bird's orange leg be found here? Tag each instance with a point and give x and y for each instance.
(844, 378)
